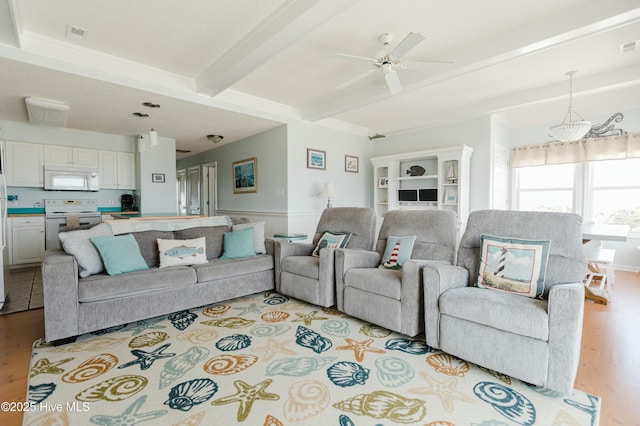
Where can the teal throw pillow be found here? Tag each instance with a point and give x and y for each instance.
(120, 254)
(397, 251)
(238, 244)
(513, 265)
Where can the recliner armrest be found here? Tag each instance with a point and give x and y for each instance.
(283, 249)
(60, 290)
(437, 279)
(346, 259)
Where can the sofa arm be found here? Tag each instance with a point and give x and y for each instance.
(283, 249)
(566, 313)
(60, 290)
(437, 279)
(346, 259)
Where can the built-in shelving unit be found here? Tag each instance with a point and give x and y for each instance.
(432, 179)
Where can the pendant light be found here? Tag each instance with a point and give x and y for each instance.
(142, 146)
(153, 137)
(570, 130)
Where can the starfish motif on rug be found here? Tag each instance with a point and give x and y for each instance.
(446, 391)
(273, 347)
(44, 366)
(130, 416)
(359, 348)
(252, 308)
(146, 359)
(150, 324)
(307, 318)
(246, 396)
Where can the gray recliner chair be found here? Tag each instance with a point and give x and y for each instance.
(312, 279)
(536, 340)
(393, 298)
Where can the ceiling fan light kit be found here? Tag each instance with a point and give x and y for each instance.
(570, 129)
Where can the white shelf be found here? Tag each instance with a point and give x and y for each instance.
(416, 177)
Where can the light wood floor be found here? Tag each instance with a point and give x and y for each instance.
(609, 360)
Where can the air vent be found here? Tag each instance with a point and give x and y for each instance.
(75, 33)
(182, 151)
(630, 46)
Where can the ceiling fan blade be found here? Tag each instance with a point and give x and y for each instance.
(355, 79)
(393, 82)
(425, 65)
(357, 58)
(408, 43)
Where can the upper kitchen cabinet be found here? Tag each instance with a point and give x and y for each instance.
(24, 164)
(117, 170)
(68, 156)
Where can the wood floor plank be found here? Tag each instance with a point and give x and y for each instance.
(609, 363)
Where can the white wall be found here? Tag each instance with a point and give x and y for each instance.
(155, 197)
(474, 133)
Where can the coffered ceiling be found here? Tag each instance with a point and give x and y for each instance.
(240, 67)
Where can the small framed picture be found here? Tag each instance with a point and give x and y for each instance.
(351, 164)
(157, 177)
(245, 176)
(450, 196)
(316, 159)
(383, 182)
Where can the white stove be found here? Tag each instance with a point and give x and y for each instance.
(59, 213)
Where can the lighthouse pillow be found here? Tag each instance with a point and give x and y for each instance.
(513, 265)
(397, 251)
(182, 252)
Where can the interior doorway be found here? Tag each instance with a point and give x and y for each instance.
(181, 190)
(210, 188)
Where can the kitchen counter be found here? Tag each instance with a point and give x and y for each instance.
(153, 216)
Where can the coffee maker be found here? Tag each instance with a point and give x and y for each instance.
(127, 203)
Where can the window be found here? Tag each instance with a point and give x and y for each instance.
(601, 191)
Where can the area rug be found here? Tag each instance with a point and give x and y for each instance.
(269, 360)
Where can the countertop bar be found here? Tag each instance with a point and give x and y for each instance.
(153, 216)
(605, 232)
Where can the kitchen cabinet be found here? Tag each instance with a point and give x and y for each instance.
(27, 240)
(24, 164)
(69, 156)
(117, 170)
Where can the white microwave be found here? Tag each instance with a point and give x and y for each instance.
(71, 179)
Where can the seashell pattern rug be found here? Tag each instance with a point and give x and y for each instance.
(269, 360)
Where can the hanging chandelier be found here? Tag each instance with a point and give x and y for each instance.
(570, 129)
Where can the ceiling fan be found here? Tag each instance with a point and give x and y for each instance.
(387, 61)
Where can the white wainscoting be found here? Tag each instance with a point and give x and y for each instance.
(274, 223)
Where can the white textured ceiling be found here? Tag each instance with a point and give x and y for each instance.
(240, 67)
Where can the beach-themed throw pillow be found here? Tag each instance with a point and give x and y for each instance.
(182, 252)
(513, 265)
(78, 244)
(120, 254)
(331, 240)
(238, 244)
(397, 251)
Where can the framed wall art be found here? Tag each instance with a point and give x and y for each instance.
(157, 177)
(351, 164)
(245, 176)
(316, 159)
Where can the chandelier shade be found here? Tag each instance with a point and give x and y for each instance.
(570, 130)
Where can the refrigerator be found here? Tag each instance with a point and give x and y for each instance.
(4, 260)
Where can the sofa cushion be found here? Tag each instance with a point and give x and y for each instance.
(78, 244)
(182, 252)
(513, 265)
(502, 311)
(213, 234)
(120, 254)
(382, 282)
(218, 269)
(102, 287)
(148, 243)
(307, 266)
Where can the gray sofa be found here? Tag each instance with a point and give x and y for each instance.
(74, 305)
